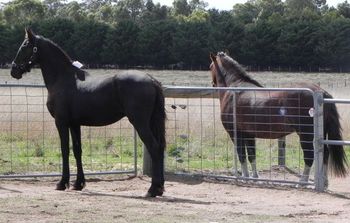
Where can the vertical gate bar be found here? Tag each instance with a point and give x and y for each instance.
(27, 129)
(201, 138)
(43, 116)
(188, 134)
(11, 129)
(234, 120)
(135, 152)
(318, 137)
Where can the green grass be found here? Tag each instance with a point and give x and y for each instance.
(17, 155)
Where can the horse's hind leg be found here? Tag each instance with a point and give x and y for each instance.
(306, 142)
(251, 149)
(147, 137)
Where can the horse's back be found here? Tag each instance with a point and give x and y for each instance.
(106, 99)
(270, 114)
(137, 91)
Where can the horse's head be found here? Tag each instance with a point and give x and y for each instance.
(216, 67)
(213, 69)
(26, 56)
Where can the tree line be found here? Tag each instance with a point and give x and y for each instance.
(299, 34)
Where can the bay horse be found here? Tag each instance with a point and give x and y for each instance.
(75, 99)
(272, 115)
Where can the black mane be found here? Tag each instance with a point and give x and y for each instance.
(233, 70)
(60, 53)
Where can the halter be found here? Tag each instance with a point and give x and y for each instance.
(27, 66)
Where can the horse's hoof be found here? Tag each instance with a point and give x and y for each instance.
(78, 186)
(155, 192)
(62, 186)
(256, 176)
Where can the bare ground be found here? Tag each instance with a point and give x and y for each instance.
(120, 199)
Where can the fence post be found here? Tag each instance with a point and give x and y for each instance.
(147, 162)
(234, 120)
(282, 151)
(135, 152)
(318, 145)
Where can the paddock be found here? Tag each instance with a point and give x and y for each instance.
(200, 160)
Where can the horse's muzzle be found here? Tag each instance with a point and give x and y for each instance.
(16, 71)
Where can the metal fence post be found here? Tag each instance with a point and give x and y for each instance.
(282, 151)
(318, 145)
(234, 120)
(135, 152)
(147, 162)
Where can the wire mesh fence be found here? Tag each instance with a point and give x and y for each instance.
(30, 143)
(199, 144)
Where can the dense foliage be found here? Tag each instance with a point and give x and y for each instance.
(292, 33)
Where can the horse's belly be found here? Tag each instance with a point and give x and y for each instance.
(100, 120)
(97, 114)
(267, 131)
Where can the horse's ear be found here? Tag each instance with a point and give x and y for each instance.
(30, 34)
(212, 57)
(227, 52)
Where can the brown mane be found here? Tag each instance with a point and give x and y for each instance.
(232, 71)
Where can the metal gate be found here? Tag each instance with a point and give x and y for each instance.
(204, 156)
(197, 144)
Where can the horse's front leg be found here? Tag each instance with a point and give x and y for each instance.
(76, 138)
(64, 138)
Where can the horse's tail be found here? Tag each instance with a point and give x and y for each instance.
(159, 116)
(333, 130)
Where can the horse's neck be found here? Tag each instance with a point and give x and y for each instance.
(55, 71)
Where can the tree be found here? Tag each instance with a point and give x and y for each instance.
(294, 8)
(23, 11)
(181, 7)
(197, 5)
(53, 6)
(192, 42)
(60, 31)
(344, 9)
(121, 44)
(153, 13)
(129, 9)
(246, 13)
(156, 42)
(73, 11)
(88, 39)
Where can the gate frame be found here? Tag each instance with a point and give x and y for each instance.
(207, 92)
(319, 103)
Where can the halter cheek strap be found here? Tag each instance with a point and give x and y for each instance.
(32, 60)
(34, 55)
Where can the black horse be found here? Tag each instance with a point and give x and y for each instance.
(75, 99)
(272, 115)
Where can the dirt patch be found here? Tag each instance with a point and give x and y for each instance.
(120, 199)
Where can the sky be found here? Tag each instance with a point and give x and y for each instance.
(224, 4)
